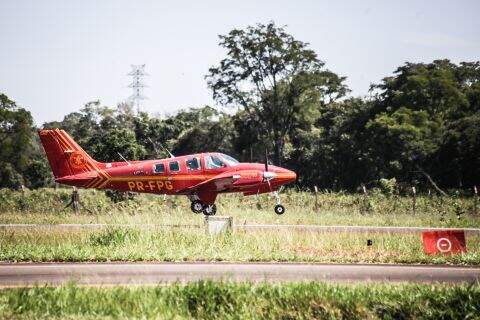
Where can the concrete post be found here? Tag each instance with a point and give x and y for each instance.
(215, 225)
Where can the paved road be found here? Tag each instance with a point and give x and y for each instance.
(24, 274)
(249, 227)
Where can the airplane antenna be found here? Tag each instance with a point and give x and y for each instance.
(168, 151)
(163, 147)
(124, 158)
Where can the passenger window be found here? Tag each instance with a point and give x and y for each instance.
(174, 166)
(213, 162)
(193, 164)
(159, 168)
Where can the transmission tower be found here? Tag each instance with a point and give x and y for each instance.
(137, 74)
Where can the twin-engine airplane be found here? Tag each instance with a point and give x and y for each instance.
(201, 177)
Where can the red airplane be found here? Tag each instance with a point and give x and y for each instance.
(198, 176)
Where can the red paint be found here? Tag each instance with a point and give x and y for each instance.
(445, 241)
(71, 165)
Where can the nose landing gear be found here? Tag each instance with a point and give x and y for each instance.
(279, 209)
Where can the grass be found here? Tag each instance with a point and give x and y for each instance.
(48, 206)
(162, 244)
(210, 300)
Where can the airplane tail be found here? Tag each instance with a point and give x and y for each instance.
(65, 156)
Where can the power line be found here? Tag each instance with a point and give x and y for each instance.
(137, 85)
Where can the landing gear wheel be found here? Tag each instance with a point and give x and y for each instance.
(279, 209)
(209, 209)
(196, 206)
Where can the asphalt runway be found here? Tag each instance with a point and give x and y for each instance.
(25, 274)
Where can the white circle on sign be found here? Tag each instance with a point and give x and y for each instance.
(444, 245)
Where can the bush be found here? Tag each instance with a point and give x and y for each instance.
(388, 186)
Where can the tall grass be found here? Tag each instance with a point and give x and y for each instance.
(210, 300)
(160, 244)
(48, 206)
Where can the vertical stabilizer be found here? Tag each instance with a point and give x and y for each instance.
(65, 156)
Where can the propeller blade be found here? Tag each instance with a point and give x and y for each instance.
(266, 160)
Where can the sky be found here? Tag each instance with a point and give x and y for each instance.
(55, 56)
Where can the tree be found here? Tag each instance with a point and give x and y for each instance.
(404, 141)
(425, 117)
(16, 131)
(334, 151)
(269, 73)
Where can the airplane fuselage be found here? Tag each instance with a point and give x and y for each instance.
(142, 176)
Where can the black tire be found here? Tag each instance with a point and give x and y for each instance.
(196, 206)
(209, 209)
(279, 209)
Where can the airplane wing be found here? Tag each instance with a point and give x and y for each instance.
(228, 181)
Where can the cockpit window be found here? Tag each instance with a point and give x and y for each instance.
(214, 162)
(193, 164)
(231, 161)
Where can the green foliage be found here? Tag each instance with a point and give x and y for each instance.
(216, 300)
(419, 115)
(119, 196)
(114, 237)
(16, 126)
(38, 173)
(388, 186)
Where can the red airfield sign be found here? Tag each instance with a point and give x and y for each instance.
(444, 241)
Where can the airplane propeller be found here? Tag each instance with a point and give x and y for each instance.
(267, 175)
(266, 160)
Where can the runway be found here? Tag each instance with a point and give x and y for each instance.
(25, 274)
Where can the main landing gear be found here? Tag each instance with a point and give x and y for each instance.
(208, 209)
(196, 206)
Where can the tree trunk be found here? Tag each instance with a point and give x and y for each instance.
(431, 180)
(278, 151)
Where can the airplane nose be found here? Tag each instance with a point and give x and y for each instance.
(287, 176)
(291, 176)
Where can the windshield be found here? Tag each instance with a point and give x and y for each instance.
(213, 162)
(229, 160)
